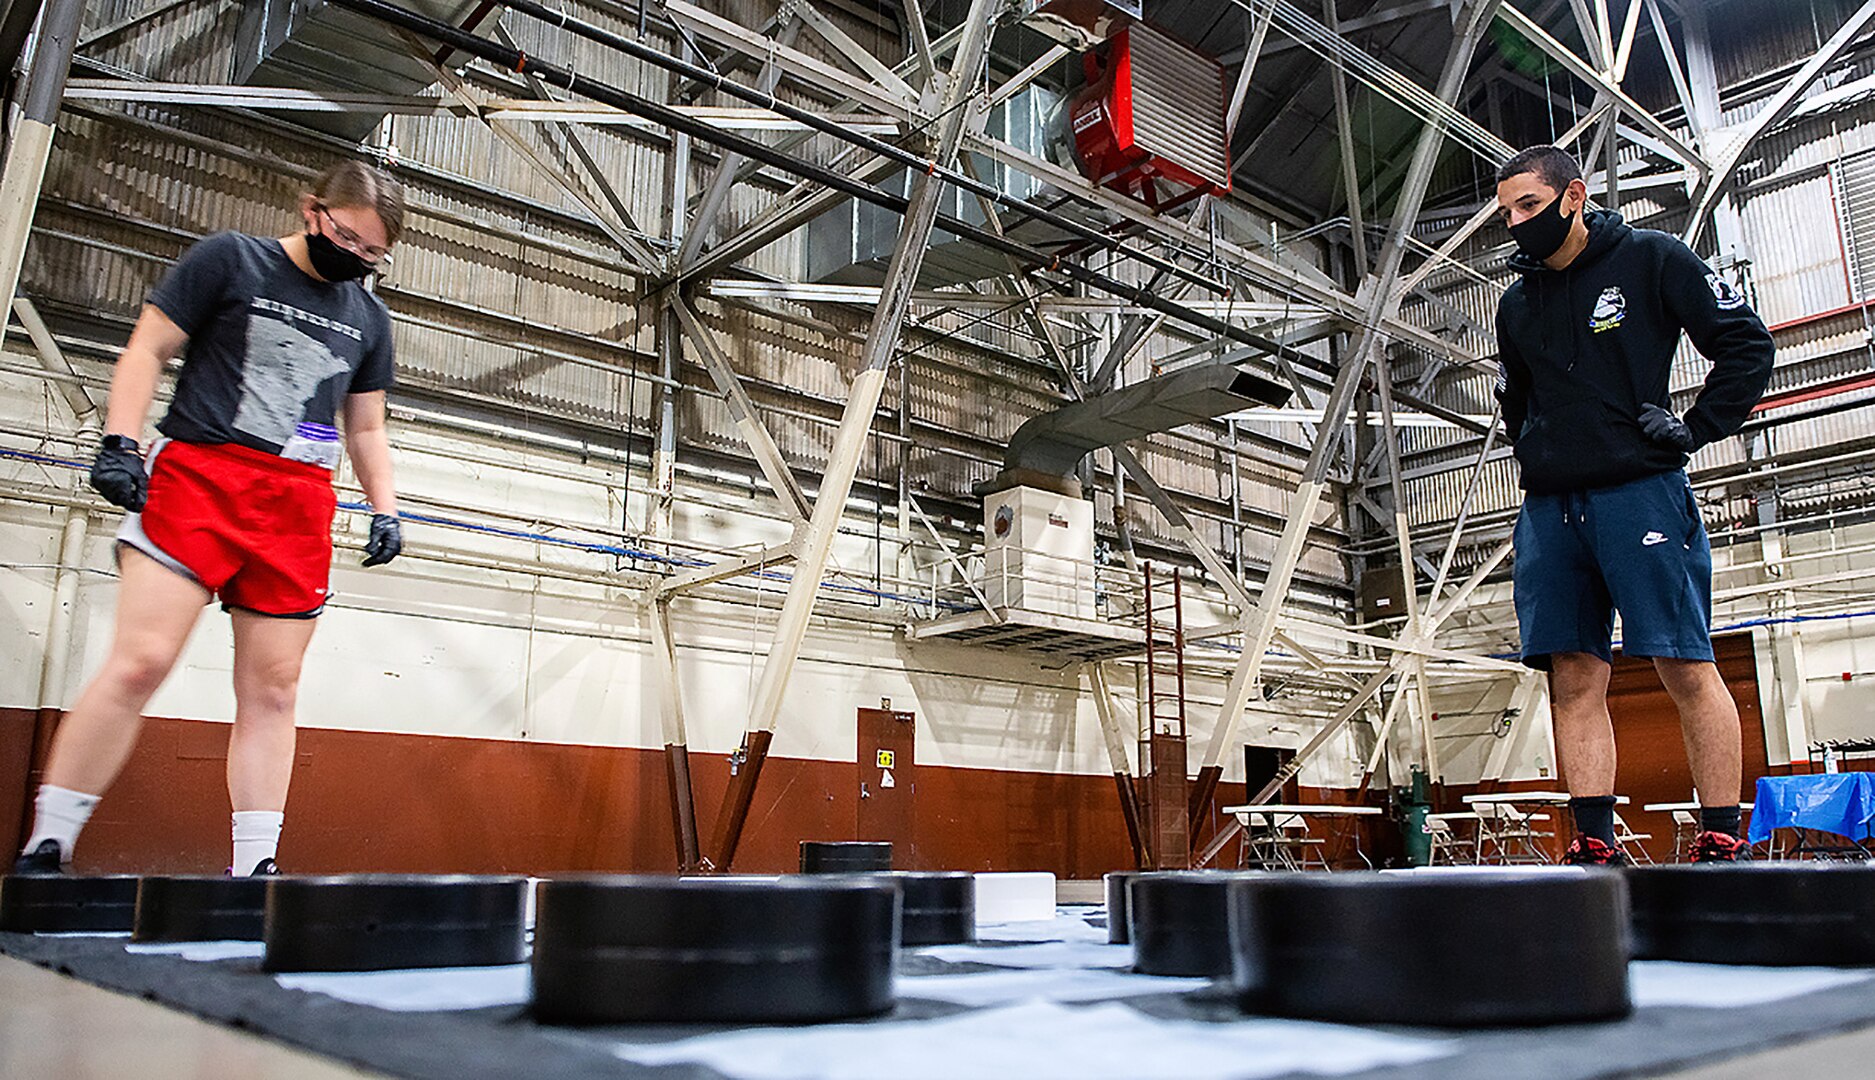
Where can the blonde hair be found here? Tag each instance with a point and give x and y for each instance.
(355, 184)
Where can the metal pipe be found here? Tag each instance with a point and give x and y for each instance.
(756, 150)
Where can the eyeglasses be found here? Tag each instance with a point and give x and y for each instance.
(352, 241)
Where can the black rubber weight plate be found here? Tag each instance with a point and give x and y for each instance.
(1755, 913)
(1117, 933)
(844, 856)
(650, 949)
(385, 922)
(1449, 949)
(935, 907)
(1179, 922)
(58, 903)
(200, 909)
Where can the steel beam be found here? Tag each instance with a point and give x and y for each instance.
(728, 167)
(734, 567)
(77, 396)
(961, 89)
(920, 41)
(24, 172)
(1397, 663)
(1253, 266)
(621, 230)
(742, 410)
(853, 51)
(1123, 779)
(1678, 71)
(1372, 20)
(469, 43)
(1350, 174)
(1382, 300)
(1719, 180)
(963, 573)
(676, 738)
(1587, 72)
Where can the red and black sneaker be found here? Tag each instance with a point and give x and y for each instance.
(1718, 847)
(1588, 851)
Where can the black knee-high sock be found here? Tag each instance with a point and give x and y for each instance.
(1595, 816)
(1719, 819)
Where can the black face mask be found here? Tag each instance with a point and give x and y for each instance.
(1543, 233)
(333, 262)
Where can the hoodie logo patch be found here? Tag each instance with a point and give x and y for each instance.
(1723, 292)
(1610, 308)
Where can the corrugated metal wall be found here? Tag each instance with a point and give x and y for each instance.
(507, 295)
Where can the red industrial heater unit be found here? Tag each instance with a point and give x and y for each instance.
(1150, 122)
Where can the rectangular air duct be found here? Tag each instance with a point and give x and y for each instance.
(313, 45)
(851, 244)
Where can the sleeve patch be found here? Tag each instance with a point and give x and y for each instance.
(1722, 291)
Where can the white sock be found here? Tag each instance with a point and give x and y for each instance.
(256, 837)
(59, 814)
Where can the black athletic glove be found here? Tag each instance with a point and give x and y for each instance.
(118, 474)
(387, 539)
(1663, 427)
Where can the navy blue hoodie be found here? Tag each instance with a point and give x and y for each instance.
(1583, 348)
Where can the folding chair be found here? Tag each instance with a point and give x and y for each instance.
(1514, 834)
(1629, 841)
(1296, 848)
(1449, 848)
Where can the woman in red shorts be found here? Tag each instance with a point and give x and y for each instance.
(281, 345)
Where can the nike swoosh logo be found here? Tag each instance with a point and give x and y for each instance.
(1653, 538)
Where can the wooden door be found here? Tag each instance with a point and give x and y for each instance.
(888, 783)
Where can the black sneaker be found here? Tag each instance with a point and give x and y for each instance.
(1718, 847)
(47, 858)
(1588, 851)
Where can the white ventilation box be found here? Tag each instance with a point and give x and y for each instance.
(1038, 552)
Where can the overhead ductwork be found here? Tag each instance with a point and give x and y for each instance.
(1047, 450)
(852, 244)
(313, 45)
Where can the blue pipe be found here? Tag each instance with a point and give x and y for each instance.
(557, 541)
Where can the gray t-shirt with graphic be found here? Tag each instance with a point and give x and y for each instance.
(272, 351)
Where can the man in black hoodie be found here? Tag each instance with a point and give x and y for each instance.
(1586, 339)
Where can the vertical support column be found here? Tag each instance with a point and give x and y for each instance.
(875, 358)
(676, 739)
(670, 346)
(1796, 710)
(1122, 769)
(1702, 79)
(664, 417)
(25, 168)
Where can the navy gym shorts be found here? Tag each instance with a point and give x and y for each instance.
(1639, 548)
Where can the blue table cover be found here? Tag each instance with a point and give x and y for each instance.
(1842, 803)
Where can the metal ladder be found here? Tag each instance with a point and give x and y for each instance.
(1162, 735)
